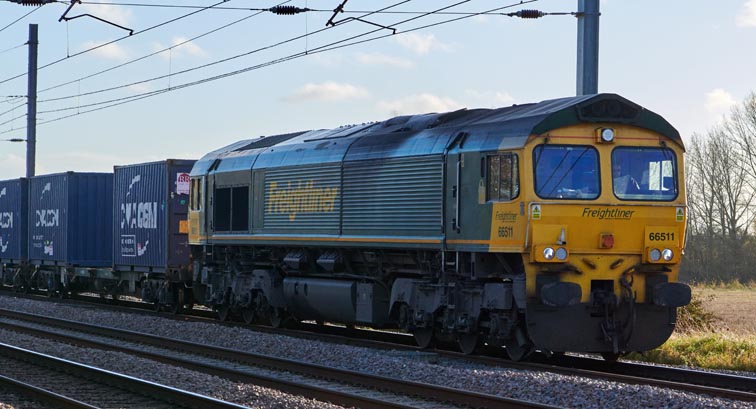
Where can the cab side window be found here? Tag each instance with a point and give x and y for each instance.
(503, 178)
(195, 195)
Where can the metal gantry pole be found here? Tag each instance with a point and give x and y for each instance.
(588, 47)
(31, 116)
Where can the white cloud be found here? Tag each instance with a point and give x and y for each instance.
(327, 59)
(189, 48)
(719, 101)
(421, 43)
(139, 88)
(494, 99)
(747, 17)
(382, 59)
(12, 166)
(81, 162)
(481, 19)
(327, 91)
(177, 51)
(118, 15)
(419, 104)
(111, 51)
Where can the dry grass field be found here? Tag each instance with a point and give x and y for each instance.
(734, 309)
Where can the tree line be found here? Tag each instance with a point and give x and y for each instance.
(721, 184)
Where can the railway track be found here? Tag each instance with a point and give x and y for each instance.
(66, 384)
(711, 383)
(342, 387)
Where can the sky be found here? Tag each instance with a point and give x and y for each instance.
(689, 61)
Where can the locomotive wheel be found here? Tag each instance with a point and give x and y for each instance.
(223, 312)
(276, 317)
(610, 356)
(517, 352)
(468, 343)
(248, 315)
(423, 336)
(178, 301)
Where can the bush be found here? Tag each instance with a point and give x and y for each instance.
(694, 317)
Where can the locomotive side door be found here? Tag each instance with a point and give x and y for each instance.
(467, 221)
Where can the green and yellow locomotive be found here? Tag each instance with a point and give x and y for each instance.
(556, 226)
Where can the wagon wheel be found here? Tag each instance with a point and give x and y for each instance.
(248, 315)
(423, 336)
(223, 312)
(468, 343)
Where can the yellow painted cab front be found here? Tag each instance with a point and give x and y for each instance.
(606, 230)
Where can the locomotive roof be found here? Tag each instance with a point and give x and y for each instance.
(414, 135)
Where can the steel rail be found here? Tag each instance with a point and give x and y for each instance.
(135, 385)
(711, 383)
(410, 388)
(43, 395)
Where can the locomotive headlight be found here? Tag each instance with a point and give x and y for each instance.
(561, 253)
(667, 254)
(654, 255)
(548, 253)
(606, 135)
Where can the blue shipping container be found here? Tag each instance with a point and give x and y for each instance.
(14, 202)
(70, 219)
(150, 209)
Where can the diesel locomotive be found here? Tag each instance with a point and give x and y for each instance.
(556, 226)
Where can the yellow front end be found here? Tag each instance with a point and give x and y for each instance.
(602, 265)
(602, 241)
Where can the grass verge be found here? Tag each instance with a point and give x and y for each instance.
(705, 350)
(701, 339)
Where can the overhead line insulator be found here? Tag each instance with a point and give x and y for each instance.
(33, 2)
(288, 10)
(528, 14)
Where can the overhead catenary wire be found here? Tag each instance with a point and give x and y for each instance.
(123, 100)
(153, 53)
(15, 107)
(188, 6)
(185, 71)
(12, 48)
(12, 119)
(324, 48)
(19, 19)
(173, 20)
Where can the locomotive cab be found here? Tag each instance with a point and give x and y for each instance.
(606, 233)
